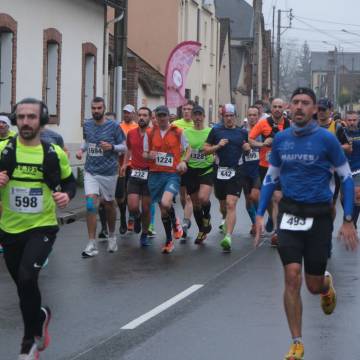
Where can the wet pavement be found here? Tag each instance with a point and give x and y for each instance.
(236, 313)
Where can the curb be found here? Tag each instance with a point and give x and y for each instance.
(68, 217)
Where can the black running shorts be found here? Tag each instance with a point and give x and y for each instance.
(310, 246)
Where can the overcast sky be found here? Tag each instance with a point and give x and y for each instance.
(317, 21)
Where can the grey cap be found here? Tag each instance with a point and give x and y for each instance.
(198, 110)
(162, 110)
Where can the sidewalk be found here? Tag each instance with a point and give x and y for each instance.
(75, 210)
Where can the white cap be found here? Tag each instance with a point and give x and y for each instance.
(229, 108)
(5, 119)
(129, 108)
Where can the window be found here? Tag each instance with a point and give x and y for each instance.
(88, 90)
(52, 73)
(8, 38)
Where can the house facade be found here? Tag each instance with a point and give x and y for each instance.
(56, 55)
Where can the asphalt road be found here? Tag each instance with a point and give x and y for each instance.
(208, 305)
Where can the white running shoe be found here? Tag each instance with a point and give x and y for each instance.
(31, 354)
(90, 250)
(112, 244)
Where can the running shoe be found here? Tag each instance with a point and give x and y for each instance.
(1, 249)
(274, 240)
(200, 238)
(130, 225)
(186, 224)
(168, 248)
(253, 230)
(103, 235)
(43, 341)
(206, 225)
(137, 225)
(90, 250)
(144, 241)
(328, 301)
(222, 226)
(123, 228)
(269, 227)
(177, 230)
(296, 352)
(226, 243)
(112, 244)
(151, 230)
(28, 350)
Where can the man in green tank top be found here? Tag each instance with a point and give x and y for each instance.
(199, 177)
(28, 224)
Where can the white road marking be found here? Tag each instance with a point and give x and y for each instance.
(162, 307)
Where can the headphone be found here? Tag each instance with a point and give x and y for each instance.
(44, 112)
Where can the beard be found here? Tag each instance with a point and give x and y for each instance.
(143, 124)
(98, 116)
(28, 133)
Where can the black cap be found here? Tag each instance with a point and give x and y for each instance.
(306, 91)
(162, 110)
(198, 110)
(324, 103)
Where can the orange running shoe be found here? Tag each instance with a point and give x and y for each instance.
(130, 225)
(177, 230)
(168, 247)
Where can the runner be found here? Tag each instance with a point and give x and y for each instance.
(301, 159)
(185, 123)
(104, 140)
(324, 106)
(104, 232)
(199, 176)
(228, 142)
(35, 177)
(352, 132)
(251, 171)
(5, 132)
(163, 146)
(128, 123)
(268, 128)
(5, 135)
(137, 186)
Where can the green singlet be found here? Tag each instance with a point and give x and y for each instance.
(29, 204)
(196, 139)
(183, 124)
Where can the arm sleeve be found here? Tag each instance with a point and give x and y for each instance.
(68, 185)
(120, 148)
(267, 189)
(275, 159)
(344, 173)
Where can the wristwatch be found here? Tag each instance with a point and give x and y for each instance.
(348, 218)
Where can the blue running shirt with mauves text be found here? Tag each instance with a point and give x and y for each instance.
(99, 162)
(306, 164)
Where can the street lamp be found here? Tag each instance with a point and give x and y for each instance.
(335, 71)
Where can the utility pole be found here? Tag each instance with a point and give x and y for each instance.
(120, 58)
(278, 47)
(278, 51)
(257, 5)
